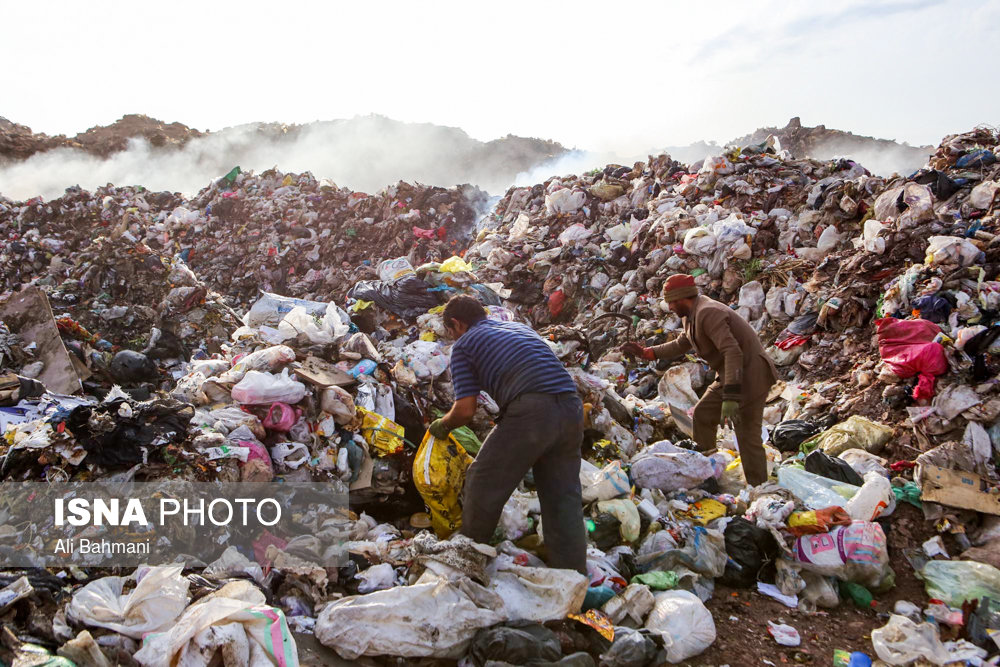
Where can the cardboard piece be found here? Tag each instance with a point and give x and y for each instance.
(957, 488)
(683, 422)
(28, 314)
(320, 373)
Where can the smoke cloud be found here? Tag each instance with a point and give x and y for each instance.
(364, 154)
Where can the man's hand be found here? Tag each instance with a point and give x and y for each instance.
(633, 350)
(731, 413)
(439, 430)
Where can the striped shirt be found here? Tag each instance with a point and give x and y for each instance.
(506, 359)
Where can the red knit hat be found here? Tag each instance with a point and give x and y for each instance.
(679, 286)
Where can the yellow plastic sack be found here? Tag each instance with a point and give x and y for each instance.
(706, 511)
(854, 433)
(438, 474)
(455, 264)
(383, 435)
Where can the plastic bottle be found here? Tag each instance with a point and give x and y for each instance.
(872, 500)
(860, 595)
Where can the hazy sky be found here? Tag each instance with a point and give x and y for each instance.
(599, 75)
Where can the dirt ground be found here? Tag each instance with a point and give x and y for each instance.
(741, 616)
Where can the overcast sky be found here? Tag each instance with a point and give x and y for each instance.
(597, 75)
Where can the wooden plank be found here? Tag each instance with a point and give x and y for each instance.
(957, 488)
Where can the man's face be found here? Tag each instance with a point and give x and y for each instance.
(455, 328)
(680, 307)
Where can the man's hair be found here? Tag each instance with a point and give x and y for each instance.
(464, 309)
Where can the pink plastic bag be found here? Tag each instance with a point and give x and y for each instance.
(281, 417)
(907, 347)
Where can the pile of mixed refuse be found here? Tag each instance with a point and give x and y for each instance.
(277, 327)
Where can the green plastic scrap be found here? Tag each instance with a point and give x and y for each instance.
(909, 493)
(658, 580)
(230, 178)
(467, 439)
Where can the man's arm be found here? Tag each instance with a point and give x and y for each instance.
(461, 413)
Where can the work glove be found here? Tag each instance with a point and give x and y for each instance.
(439, 430)
(731, 413)
(632, 350)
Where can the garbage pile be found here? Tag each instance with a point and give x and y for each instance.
(286, 329)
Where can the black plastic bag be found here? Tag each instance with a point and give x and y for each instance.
(409, 296)
(749, 549)
(789, 434)
(631, 648)
(517, 643)
(831, 467)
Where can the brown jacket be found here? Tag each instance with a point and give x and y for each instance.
(717, 334)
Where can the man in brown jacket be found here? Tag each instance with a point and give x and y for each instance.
(717, 334)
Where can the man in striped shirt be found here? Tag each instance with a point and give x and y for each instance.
(540, 428)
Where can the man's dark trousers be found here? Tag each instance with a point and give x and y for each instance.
(542, 433)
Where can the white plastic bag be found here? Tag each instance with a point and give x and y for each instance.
(538, 594)
(431, 618)
(269, 309)
(574, 235)
(258, 388)
(604, 483)
(873, 500)
(564, 201)
(290, 455)
(339, 403)
(903, 642)
(319, 330)
(233, 625)
(158, 598)
(675, 388)
(376, 578)
(684, 623)
(668, 468)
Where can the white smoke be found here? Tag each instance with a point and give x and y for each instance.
(364, 154)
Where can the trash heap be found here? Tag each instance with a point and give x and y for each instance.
(276, 327)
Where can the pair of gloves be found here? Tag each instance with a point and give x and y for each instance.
(730, 409)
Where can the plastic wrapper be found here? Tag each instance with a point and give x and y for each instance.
(258, 388)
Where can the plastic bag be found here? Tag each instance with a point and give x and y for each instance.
(408, 297)
(675, 388)
(280, 417)
(391, 269)
(865, 462)
(874, 499)
(604, 483)
(815, 491)
(667, 467)
(290, 455)
(319, 330)
(791, 433)
(439, 475)
(815, 522)
(856, 553)
(234, 622)
(258, 388)
(625, 511)
(395, 621)
(574, 234)
(951, 250)
(820, 463)
(903, 642)
(683, 622)
(854, 433)
(159, 597)
(538, 594)
(564, 201)
(268, 359)
(955, 581)
(269, 309)
(339, 403)
(384, 435)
